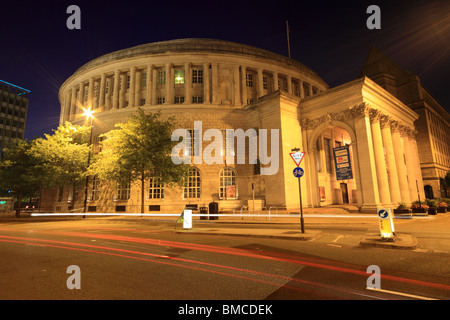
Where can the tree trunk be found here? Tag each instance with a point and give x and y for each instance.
(142, 193)
(19, 202)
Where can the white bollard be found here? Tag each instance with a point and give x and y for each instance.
(187, 219)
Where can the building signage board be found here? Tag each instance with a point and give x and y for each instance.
(342, 163)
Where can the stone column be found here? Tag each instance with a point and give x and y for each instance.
(237, 91)
(67, 105)
(132, 90)
(244, 85)
(116, 89)
(90, 102)
(409, 165)
(368, 194)
(418, 170)
(137, 88)
(215, 83)
(101, 102)
(206, 89)
(275, 81)
(260, 83)
(310, 89)
(302, 90)
(394, 185)
(123, 89)
(169, 83)
(73, 104)
(154, 84)
(289, 84)
(187, 83)
(400, 164)
(380, 163)
(81, 99)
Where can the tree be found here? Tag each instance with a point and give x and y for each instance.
(138, 150)
(62, 157)
(18, 171)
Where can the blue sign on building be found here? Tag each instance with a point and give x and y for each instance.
(342, 163)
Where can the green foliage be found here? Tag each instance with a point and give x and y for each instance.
(18, 170)
(137, 150)
(62, 157)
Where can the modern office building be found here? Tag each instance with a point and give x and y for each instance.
(359, 139)
(433, 124)
(13, 112)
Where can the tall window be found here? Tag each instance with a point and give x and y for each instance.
(249, 79)
(123, 191)
(193, 147)
(227, 187)
(156, 188)
(161, 77)
(95, 191)
(192, 186)
(144, 79)
(197, 76)
(179, 76)
(197, 99)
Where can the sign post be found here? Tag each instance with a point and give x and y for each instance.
(187, 219)
(298, 173)
(386, 224)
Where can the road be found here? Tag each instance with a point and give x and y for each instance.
(146, 259)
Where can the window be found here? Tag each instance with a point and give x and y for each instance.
(265, 86)
(193, 146)
(107, 86)
(179, 99)
(161, 77)
(128, 82)
(155, 189)
(123, 191)
(249, 80)
(197, 76)
(95, 191)
(161, 100)
(179, 76)
(192, 185)
(227, 189)
(197, 99)
(144, 79)
(143, 102)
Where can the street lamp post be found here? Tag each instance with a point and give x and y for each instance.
(89, 114)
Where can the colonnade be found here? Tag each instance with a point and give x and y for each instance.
(155, 84)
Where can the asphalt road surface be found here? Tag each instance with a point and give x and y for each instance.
(145, 259)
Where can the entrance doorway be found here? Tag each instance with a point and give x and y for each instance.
(344, 193)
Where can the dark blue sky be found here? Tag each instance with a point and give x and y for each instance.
(38, 52)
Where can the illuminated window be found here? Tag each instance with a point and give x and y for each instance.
(156, 188)
(179, 76)
(227, 188)
(192, 185)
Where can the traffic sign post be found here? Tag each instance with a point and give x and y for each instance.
(386, 224)
(298, 173)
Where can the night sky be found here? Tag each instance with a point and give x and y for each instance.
(38, 52)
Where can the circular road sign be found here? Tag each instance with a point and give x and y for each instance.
(383, 214)
(298, 172)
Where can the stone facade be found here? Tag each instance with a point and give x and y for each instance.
(232, 86)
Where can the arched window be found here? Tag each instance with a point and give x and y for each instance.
(192, 186)
(227, 187)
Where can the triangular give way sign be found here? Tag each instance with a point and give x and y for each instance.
(297, 157)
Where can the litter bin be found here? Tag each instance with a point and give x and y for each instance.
(204, 210)
(214, 209)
